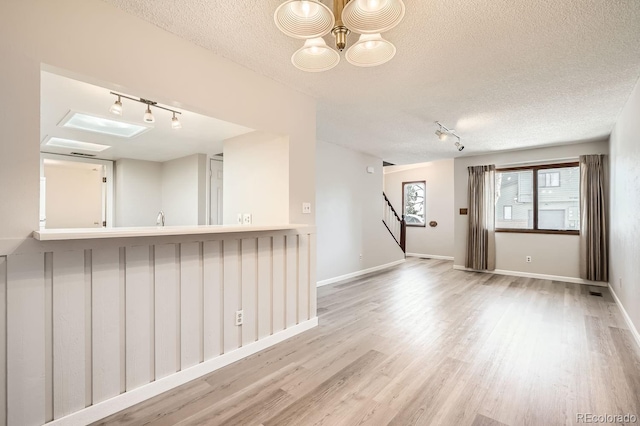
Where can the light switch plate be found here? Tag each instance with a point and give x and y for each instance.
(306, 208)
(239, 218)
(246, 219)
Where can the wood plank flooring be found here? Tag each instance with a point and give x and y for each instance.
(423, 344)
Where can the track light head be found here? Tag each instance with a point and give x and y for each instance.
(175, 123)
(148, 116)
(116, 108)
(459, 146)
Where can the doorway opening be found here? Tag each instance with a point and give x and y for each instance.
(75, 192)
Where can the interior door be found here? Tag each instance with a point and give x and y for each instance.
(215, 197)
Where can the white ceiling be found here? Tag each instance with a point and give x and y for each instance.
(199, 134)
(506, 74)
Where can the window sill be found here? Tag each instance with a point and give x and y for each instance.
(538, 231)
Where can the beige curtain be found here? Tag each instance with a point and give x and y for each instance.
(481, 243)
(593, 230)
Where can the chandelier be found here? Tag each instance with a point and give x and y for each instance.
(310, 20)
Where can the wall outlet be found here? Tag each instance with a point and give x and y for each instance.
(239, 317)
(360, 256)
(239, 218)
(528, 259)
(246, 219)
(306, 208)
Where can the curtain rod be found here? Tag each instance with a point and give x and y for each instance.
(540, 162)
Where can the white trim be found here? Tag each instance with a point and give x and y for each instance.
(111, 406)
(430, 256)
(358, 273)
(536, 276)
(62, 234)
(627, 318)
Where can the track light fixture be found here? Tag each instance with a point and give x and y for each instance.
(311, 20)
(116, 109)
(444, 132)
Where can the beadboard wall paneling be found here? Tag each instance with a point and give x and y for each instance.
(26, 339)
(81, 326)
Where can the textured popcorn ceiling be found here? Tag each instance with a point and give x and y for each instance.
(506, 74)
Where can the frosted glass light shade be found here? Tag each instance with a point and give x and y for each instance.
(372, 16)
(304, 19)
(315, 56)
(116, 108)
(148, 116)
(370, 51)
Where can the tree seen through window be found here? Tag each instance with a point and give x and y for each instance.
(413, 202)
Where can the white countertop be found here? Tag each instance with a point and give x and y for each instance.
(152, 231)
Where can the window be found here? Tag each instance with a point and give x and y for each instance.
(413, 203)
(507, 212)
(549, 179)
(543, 199)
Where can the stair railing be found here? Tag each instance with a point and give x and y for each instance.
(394, 223)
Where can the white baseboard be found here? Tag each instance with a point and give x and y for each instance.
(627, 318)
(358, 273)
(430, 256)
(536, 276)
(111, 406)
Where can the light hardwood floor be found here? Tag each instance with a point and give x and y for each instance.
(425, 344)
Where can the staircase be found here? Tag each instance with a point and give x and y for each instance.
(396, 225)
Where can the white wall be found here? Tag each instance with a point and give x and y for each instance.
(438, 176)
(73, 196)
(95, 42)
(184, 190)
(624, 237)
(552, 254)
(349, 213)
(177, 187)
(138, 192)
(256, 178)
(77, 38)
(203, 188)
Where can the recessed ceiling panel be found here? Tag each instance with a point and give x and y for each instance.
(106, 126)
(74, 144)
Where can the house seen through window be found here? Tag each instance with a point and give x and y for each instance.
(538, 198)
